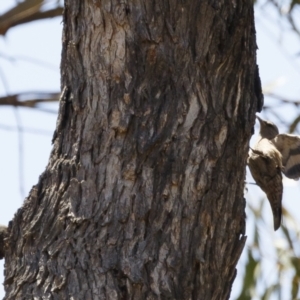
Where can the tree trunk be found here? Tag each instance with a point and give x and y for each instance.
(143, 194)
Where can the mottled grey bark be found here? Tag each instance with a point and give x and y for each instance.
(143, 194)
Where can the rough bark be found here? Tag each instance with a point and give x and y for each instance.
(143, 194)
(3, 233)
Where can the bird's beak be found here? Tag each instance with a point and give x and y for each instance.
(259, 119)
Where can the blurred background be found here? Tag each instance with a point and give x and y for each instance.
(30, 50)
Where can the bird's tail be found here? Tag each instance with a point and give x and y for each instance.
(277, 211)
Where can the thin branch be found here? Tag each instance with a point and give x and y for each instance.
(31, 60)
(39, 97)
(24, 12)
(286, 55)
(292, 22)
(26, 130)
(21, 152)
(4, 81)
(282, 99)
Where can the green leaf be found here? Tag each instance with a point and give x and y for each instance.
(270, 290)
(296, 263)
(293, 3)
(249, 279)
(295, 287)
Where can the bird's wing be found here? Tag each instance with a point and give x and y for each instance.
(289, 147)
(267, 174)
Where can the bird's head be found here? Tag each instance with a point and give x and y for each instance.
(267, 129)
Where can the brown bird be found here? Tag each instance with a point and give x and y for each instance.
(272, 154)
(265, 164)
(287, 144)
